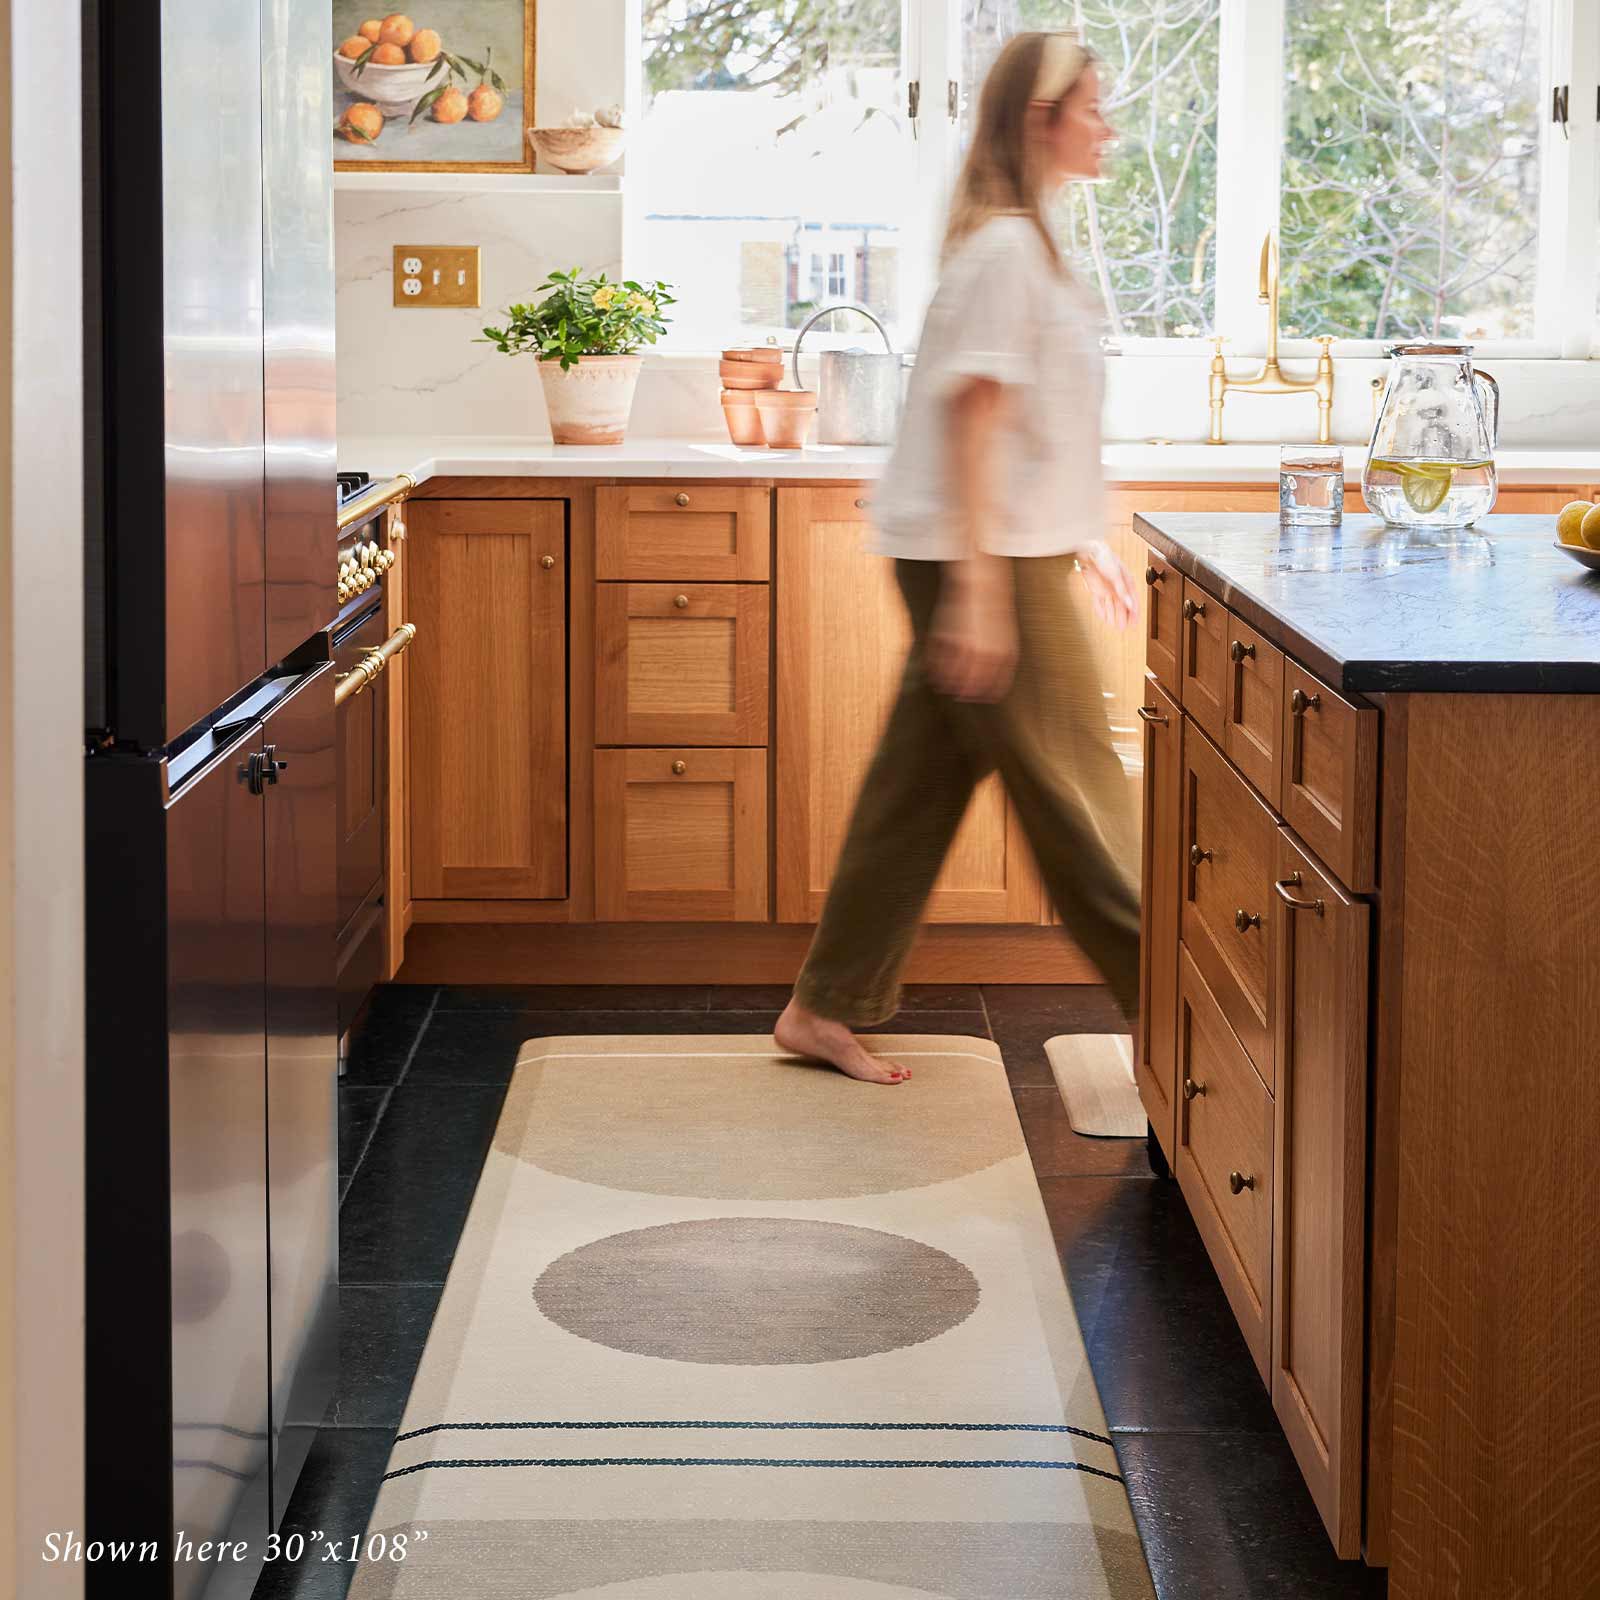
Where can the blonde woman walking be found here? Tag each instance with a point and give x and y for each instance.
(992, 507)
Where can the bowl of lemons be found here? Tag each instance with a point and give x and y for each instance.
(1578, 532)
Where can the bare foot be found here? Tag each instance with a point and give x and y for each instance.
(804, 1033)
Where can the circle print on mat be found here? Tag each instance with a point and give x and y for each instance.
(756, 1291)
(715, 1127)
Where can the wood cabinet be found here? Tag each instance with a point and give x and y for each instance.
(487, 692)
(842, 637)
(1319, 1186)
(681, 663)
(1156, 1056)
(706, 533)
(1163, 624)
(1330, 775)
(680, 835)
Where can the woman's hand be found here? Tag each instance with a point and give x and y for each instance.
(1108, 582)
(971, 649)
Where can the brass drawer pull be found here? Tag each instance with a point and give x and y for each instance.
(1191, 1089)
(1150, 714)
(1194, 608)
(679, 768)
(680, 601)
(1239, 650)
(1239, 1183)
(861, 505)
(1244, 920)
(1153, 576)
(1284, 885)
(1300, 702)
(1197, 855)
(680, 499)
(547, 562)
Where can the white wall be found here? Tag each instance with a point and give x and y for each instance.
(41, 813)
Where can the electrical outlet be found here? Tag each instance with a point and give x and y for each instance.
(436, 275)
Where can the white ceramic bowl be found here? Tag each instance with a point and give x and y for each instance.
(393, 90)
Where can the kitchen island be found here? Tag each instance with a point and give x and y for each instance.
(1372, 1013)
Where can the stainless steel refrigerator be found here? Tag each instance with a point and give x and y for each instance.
(209, 774)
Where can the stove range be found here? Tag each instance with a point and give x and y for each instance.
(351, 484)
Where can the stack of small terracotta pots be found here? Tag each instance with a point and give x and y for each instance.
(757, 410)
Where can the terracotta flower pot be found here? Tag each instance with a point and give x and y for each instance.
(744, 421)
(590, 402)
(750, 374)
(786, 416)
(762, 354)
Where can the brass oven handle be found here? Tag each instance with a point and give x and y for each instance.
(1194, 608)
(1244, 920)
(372, 663)
(1300, 702)
(388, 493)
(1284, 885)
(1238, 650)
(1150, 714)
(1239, 1183)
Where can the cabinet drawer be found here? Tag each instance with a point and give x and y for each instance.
(1204, 658)
(1225, 1156)
(681, 663)
(1162, 628)
(1156, 1059)
(680, 835)
(696, 533)
(1252, 723)
(1330, 776)
(1228, 907)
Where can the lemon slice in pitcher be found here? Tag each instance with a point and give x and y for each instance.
(1424, 483)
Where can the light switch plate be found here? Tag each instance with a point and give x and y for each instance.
(436, 275)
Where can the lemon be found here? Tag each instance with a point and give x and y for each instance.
(1425, 485)
(1589, 530)
(1571, 520)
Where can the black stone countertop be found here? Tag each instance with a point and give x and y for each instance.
(1494, 608)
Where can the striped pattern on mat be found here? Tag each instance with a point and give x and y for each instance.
(724, 1325)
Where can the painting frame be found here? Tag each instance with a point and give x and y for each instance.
(526, 164)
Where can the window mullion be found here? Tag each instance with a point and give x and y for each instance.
(1249, 161)
(1570, 186)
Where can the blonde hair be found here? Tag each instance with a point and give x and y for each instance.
(1004, 170)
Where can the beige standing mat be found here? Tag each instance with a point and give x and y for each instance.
(1094, 1072)
(725, 1325)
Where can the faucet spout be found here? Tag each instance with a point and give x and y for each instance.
(1268, 294)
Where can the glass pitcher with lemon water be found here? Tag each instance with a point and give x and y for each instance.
(1432, 457)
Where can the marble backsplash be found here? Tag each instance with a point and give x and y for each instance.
(419, 372)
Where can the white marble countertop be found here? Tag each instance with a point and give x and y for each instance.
(444, 456)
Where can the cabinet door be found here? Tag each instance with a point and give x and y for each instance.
(487, 693)
(1252, 715)
(1319, 1219)
(1330, 775)
(842, 641)
(1157, 1057)
(1205, 659)
(681, 664)
(680, 835)
(1163, 629)
(706, 533)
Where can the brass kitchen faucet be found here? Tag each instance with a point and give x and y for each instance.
(1270, 379)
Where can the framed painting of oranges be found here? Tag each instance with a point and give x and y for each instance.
(445, 86)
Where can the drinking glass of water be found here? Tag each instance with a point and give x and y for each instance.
(1311, 484)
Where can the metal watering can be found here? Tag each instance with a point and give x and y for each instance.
(858, 398)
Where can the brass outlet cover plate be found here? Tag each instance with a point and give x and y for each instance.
(436, 275)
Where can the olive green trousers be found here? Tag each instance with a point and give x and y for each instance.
(1050, 742)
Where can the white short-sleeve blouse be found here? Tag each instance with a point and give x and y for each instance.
(1003, 310)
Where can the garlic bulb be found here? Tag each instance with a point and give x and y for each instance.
(609, 116)
(581, 119)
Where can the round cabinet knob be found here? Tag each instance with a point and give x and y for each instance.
(1244, 920)
(680, 499)
(1194, 608)
(1300, 702)
(1238, 650)
(1193, 1090)
(861, 505)
(1153, 576)
(1197, 855)
(1239, 1183)
(679, 768)
(547, 562)
(681, 601)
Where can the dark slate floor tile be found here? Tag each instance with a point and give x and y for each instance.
(1229, 1514)
(382, 1040)
(360, 1107)
(382, 1329)
(574, 997)
(334, 1496)
(1162, 1340)
(1023, 1016)
(914, 997)
(1058, 1152)
(404, 1211)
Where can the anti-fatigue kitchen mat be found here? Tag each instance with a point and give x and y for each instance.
(1094, 1076)
(725, 1325)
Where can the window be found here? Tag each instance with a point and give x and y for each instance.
(796, 152)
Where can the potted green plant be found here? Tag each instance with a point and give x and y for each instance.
(586, 334)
